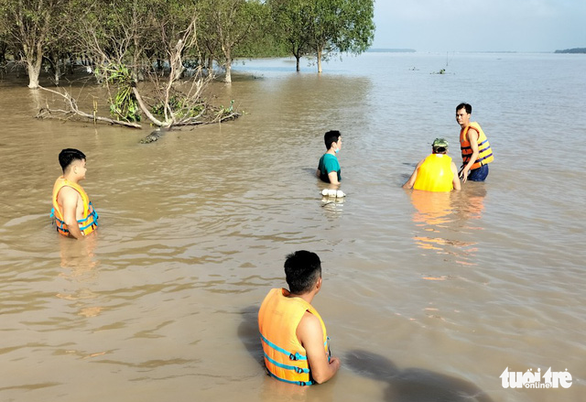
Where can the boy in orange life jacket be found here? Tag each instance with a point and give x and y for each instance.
(437, 172)
(293, 335)
(73, 212)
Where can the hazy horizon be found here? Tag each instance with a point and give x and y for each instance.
(480, 26)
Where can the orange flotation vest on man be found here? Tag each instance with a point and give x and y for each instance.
(278, 319)
(484, 151)
(89, 221)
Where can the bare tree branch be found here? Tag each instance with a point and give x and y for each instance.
(73, 109)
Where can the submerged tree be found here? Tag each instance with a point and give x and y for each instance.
(33, 25)
(341, 25)
(291, 23)
(323, 27)
(126, 47)
(230, 23)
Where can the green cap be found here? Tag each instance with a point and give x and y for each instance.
(440, 143)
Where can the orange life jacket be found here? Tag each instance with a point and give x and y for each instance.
(88, 223)
(484, 151)
(278, 318)
(435, 174)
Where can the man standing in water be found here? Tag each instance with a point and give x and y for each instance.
(435, 173)
(293, 335)
(74, 214)
(328, 168)
(476, 151)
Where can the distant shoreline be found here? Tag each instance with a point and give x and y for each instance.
(391, 50)
(383, 50)
(574, 50)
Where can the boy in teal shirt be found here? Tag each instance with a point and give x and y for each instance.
(328, 169)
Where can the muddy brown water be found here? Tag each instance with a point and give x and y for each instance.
(426, 297)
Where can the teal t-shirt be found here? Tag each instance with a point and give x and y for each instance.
(329, 163)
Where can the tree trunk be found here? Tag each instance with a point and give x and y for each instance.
(34, 60)
(56, 64)
(210, 67)
(33, 70)
(319, 52)
(228, 79)
(57, 73)
(297, 63)
(144, 108)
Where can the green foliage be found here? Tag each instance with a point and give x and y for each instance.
(343, 25)
(139, 33)
(181, 106)
(322, 27)
(124, 106)
(291, 22)
(227, 28)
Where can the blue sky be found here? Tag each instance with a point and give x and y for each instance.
(480, 25)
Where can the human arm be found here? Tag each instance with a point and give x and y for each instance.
(310, 334)
(68, 199)
(473, 140)
(333, 176)
(455, 179)
(409, 183)
(331, 167)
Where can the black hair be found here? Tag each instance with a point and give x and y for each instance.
(330, 137)
(69, 155)
(302, 270)
(466, 106)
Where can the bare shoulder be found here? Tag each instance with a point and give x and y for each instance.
(68, 195)
(67, 191)
(309, 327)
(309, 320)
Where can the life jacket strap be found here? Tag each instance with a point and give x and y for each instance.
(292, 356)
(298, 370)
(93, 222)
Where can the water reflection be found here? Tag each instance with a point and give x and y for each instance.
(432, 209)
(274, 390)
(79, 269)
(333, 206)
(469, 203)
(440, 216)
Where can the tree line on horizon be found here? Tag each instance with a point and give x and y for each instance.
(573, 50)
(129, 39)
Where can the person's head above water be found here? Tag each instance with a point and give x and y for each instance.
(332, 138)
(302, 271)
(439, 146)
(465, 106)
(68, 156)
